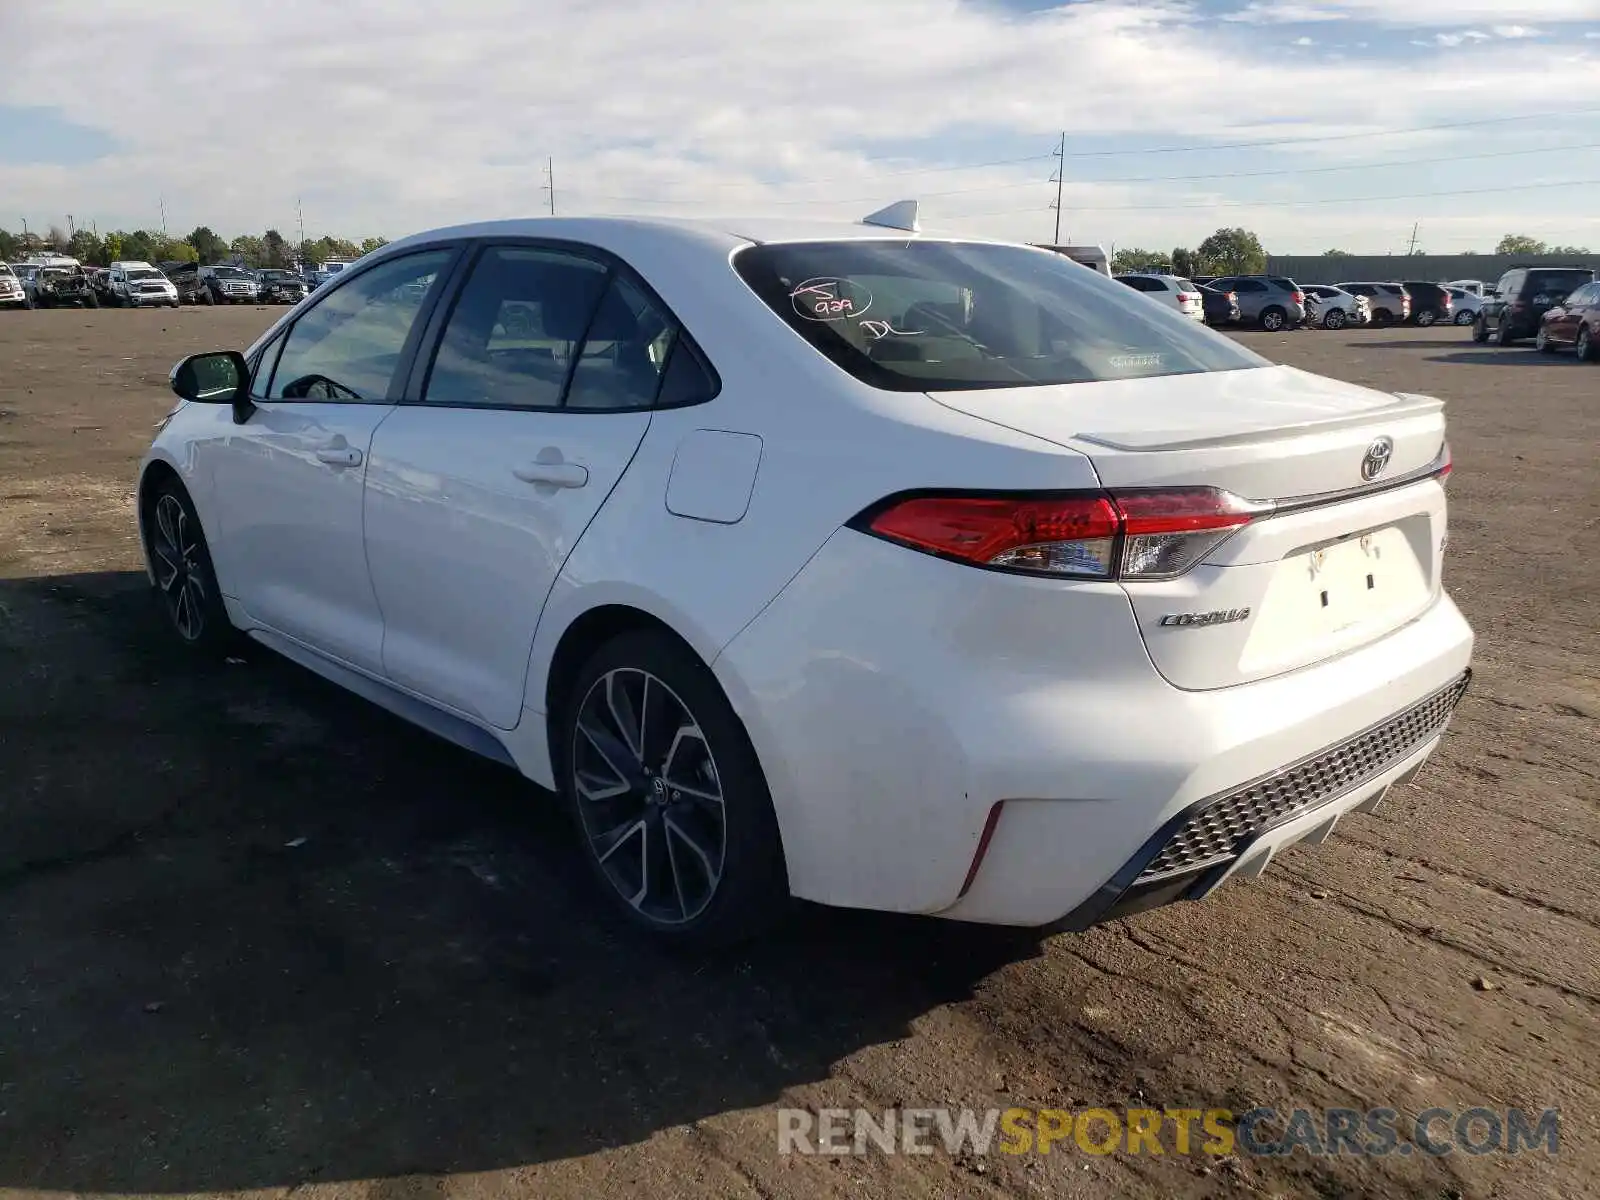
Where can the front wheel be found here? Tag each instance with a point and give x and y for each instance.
(1464, 318)
(91, 300)
(1541, 342)
(1427, 317)
(1480, 330)
(180, 564)
(1586, 346)
(1502, 335)
(1335, 319)
(207, 298)
(669, 798)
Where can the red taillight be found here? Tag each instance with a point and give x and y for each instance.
(1127, 535)
(1233, 297)
(1069, 536)
(1299, 297)
(1443, 473)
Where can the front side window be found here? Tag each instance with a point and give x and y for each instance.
(348, 345)
(931, 316)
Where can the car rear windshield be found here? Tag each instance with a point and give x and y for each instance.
(1558, 281)
(917, 316)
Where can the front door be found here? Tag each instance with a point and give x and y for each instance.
(536, 399)
(288, 482)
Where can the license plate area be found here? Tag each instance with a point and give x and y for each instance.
(1330, 597)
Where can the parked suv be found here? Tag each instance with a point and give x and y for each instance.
(1430, 302)
(1389, 301)
(1522, 297)
(1337, 308)
(1574, 322)
(1272, 301)
(1169, 290)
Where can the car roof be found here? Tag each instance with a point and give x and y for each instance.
(720, 233)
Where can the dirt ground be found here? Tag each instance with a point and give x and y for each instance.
(257, 935)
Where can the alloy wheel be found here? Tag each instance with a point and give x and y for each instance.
(1271, 322)
(649, 796)
(1426, 317)
(1585, 344)
(180, 575)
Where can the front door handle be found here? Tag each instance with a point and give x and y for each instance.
(339, 456)
(553, 474)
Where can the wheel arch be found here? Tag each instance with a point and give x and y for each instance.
(156, 473)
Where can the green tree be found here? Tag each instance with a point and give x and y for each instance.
(1134, 259)
(168, 249)
(250, 249)
(111, 247)
(1518, 243)
(1233, 252)
(1184, 263)
(274, 250)
(368, 245)
(10, 245)
(85, 247)
(208, 247)
(1336, 254)
(1578, 251)
(135, 246)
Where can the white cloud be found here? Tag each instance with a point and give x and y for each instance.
(1456, 39)
(1302, 41)
(1404, 14)
(1514, 31)
(387, 116)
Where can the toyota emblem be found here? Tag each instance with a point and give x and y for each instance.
(1376, 460)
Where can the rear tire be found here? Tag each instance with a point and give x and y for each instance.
(1274, 319)
(1427, 317)
(1502, 335)
(91, 300)
(674, 818)
(1382, 318)
(207, 298)
(1334, 319)
(1465, 317)
(1480, 330)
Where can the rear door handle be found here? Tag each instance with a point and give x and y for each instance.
(339, 456)
(553, 474)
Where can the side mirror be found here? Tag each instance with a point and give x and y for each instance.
(221, 377)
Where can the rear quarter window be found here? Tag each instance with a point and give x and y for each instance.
(912, 315)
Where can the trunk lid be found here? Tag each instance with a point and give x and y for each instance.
(1339, 562)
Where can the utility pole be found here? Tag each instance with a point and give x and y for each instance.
(550, 174)
(300, 218)
(1060, 178)
(163, 202)
(72, 230)
(1412, 248)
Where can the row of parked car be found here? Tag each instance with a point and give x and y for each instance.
(56, 281)
(1277, 302)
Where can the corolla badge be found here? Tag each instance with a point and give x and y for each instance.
(1221, 616)
(1376, 460)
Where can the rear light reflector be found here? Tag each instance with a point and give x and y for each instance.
(1156, 534)
(1448, 465)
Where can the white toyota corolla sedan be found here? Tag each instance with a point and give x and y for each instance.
(837, 561)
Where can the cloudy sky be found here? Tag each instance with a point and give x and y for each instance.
(1318, 123)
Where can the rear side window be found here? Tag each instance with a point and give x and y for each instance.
(932, 316)
(1557, 283)
(1139, 283)
(1248, 285)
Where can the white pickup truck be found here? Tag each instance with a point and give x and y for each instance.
(139, 285)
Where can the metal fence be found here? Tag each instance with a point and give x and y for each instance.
(1435, 267)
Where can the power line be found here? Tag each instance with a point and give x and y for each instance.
(1056, 153)
(1285, 203)
(1335, 137)
(1031, 183)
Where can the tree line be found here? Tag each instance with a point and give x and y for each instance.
(1239, 252)
(270, 249)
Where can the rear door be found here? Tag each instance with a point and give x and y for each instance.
(537, 392)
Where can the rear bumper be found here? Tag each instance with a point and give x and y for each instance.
(911, 712)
